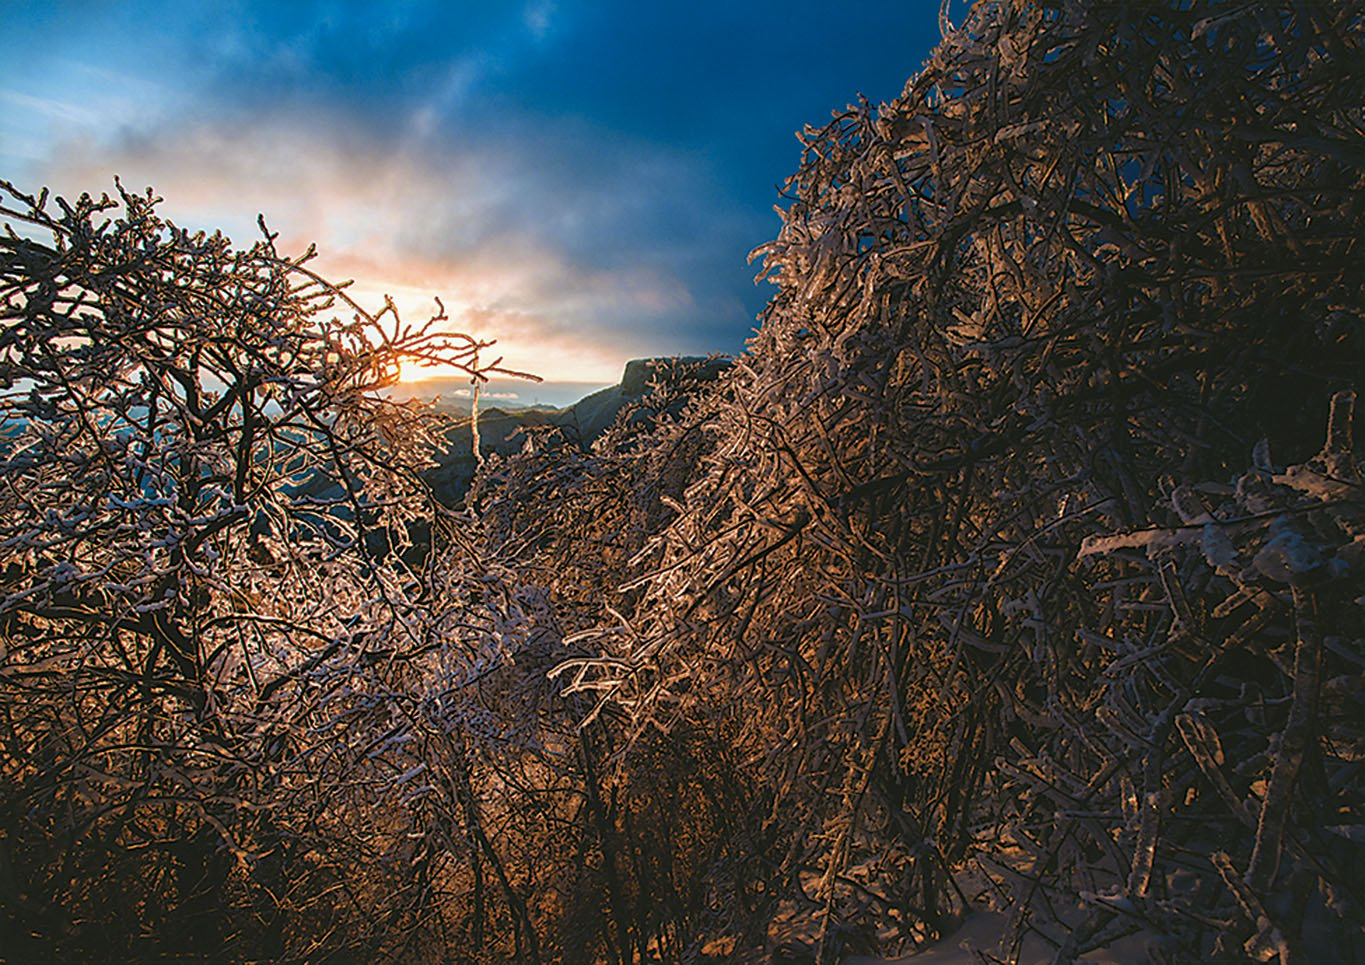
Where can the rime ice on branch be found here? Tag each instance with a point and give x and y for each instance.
(226, 669)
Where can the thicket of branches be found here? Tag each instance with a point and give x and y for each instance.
(1063, 287)
(1012, 559)
(242, 715)
(209, 622)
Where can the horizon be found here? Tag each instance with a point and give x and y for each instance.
(581, 182)
(500, 392)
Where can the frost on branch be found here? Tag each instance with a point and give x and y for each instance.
(1047, 299)
(1258, 668)
(236, 630)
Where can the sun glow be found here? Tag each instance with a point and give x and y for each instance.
(412, 370)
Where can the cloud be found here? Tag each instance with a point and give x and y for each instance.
(47, 107)
(582, 178)
(547, 259)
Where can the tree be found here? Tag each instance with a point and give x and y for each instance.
(1087, 260)
(261, 695)
(210, 597)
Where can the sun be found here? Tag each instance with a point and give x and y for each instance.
(410, 371)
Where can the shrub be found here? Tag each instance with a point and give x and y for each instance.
(1089, 258)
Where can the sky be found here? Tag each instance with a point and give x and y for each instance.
(580, 179)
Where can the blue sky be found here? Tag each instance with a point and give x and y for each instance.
(580, 180)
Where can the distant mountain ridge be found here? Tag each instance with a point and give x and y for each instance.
(583, 421)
